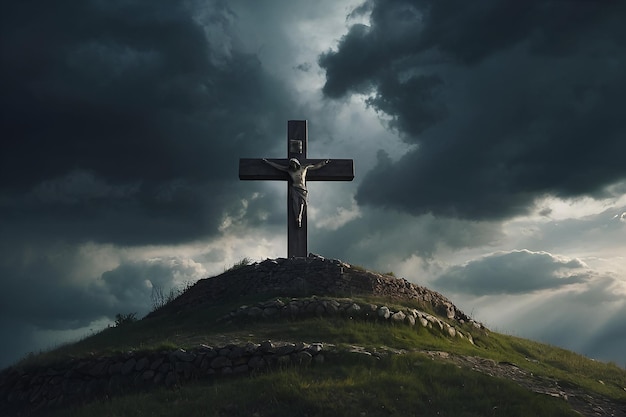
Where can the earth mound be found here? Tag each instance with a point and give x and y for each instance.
(313, 275)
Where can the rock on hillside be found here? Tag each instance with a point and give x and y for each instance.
(313, 275)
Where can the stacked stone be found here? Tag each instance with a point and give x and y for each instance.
(78, 381)
(298, 277)
(296, 308)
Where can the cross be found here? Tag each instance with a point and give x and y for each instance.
(260, 169)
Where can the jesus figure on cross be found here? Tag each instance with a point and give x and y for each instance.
(297, 172)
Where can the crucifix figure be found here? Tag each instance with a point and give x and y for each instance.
(299, 193)
(296, 169)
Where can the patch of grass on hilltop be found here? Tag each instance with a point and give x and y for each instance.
(553, 362)
(240, 264)
(348, 385)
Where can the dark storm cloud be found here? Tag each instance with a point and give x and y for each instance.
(128, 214)
(514, 272)
(506, 101)
(123, 121)
(121, 124)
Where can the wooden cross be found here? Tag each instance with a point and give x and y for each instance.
(258, 169)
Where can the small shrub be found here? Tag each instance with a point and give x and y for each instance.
(243, 262)
(161, 298)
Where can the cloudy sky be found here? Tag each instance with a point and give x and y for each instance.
(488, 139)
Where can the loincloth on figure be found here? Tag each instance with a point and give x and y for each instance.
(300, 193)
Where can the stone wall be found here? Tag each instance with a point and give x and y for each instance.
(296, 308)
(26, 391)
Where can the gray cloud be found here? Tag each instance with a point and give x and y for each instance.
(507, 103)
(130, 285)
(54, 287)
(40, 289)
(515, 272)
(81, 207)
(574, 234)
(125, 114)
(379, 238)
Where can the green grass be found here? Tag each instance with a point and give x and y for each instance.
(560, 364)
(348, 384)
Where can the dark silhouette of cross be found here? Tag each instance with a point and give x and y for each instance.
(258, 169)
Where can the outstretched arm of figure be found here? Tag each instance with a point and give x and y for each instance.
(275, 165)
(319, 164)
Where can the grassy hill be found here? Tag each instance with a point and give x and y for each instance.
(370, 367)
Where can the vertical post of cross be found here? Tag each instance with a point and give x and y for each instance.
(297, 138)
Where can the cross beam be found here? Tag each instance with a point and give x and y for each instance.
(297, 142)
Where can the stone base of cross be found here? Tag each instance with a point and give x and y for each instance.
(297, 141)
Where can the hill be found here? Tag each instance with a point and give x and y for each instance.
(309, 336)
